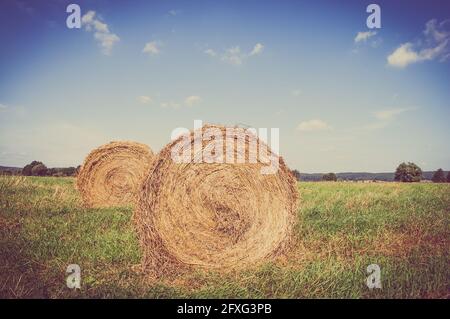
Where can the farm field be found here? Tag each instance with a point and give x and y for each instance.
(342, 228)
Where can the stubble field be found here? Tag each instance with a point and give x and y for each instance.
(342, 228)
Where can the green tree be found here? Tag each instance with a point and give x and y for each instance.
(69, 171)
(408, 173)
(296, 174)
(438, 176)
(329, 177)
(39, 170)
(26, 171)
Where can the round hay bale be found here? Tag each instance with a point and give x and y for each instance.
(214, 215)
(111, 174)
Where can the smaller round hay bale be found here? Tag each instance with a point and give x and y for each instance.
(111, 174)
(216, 216)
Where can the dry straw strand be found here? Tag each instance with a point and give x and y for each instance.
(214, 216)
(112, 173)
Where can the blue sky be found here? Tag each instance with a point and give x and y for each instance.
(345, 97)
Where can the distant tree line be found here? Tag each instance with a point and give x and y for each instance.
(330, 177)
(412, 173)
(36, 168)
(405, 172)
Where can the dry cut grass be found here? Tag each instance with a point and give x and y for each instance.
(341, 229)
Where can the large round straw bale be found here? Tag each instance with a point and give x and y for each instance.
(214, 215)
(111, 174)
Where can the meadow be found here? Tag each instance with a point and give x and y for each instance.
(342, 228)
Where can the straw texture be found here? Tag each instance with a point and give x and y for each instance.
(214, 215)
(112, 173)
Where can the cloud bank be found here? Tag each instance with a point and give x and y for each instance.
(102, 35)
(235, 55)
(433, 44)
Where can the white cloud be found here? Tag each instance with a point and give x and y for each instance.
(107, 41)
(3, 107)
(438, 31)
(192, 100)
(386, 116)
(235, 55)
(88, 19)
(313, 125)
(403, 56)
(101, 31)
(144, 99)
(210, 52)
(174, 12)
(435, 44)
(188, 101)
(364, 36)
(152, 47)
(389, 114)
(100, 26)
(257, 49)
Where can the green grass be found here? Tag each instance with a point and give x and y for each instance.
(342, 228)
